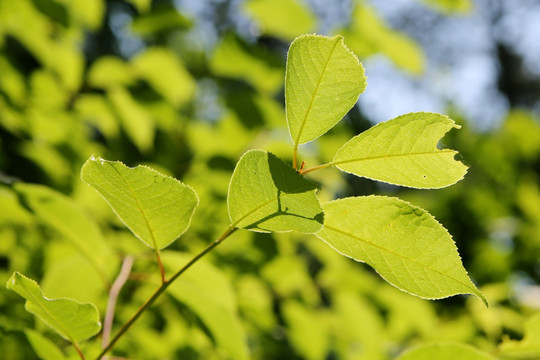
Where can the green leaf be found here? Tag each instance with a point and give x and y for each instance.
(403, 243)
(44, 348)
(284, 19)
(267, 195)
(445, 351)
(322, 83)
(403, 151)
(209, 293)
(529, 346)
(62, 214)
(70, 319)
(155, 207)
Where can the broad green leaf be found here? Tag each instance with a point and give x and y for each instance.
(267, 195)
(70, 319)
(526, 348)
(162, 69)
(44, 348)
(322, 83)
(62, 214)
(445, 351)
(368, 35)
(261, 68)
(285, 19)
(207, 291)
(403, 151)
(403, 243)
(136, 120)
(155, 207)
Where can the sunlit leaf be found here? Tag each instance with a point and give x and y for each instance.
(155, 207)
(445, 351)
(403, 151)
(59, 211)
(70, 319)
(137, 122)
(403, 243)
(451, 6)
(207, 291)
(323, 81)
(109, 71)
(261, 68)
(164, 71)
(267, 195)
(526, 348)
(285, 19)
(43, 347)
(368, 35)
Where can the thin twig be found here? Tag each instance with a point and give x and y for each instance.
(123, 276)
(230, 230)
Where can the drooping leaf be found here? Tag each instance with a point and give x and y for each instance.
(207, 291)
(285, 19)
(403, 151)
(267, 195)
(59, 212)
(403, 243)
(445, 351)
(43, 347)
(155, 207)
(322, 83)
(70, 319)
(529, 346)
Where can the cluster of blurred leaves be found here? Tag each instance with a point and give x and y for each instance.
(68, 90)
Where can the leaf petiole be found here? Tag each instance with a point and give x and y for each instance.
(318, 167)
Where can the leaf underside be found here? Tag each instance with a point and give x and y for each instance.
(267, 195)
(403, 151)
(70, 319)
(403, 243)
(322, 83)
(155, 207)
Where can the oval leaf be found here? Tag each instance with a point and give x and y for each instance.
(267, 195)
(445, 351)
(403, 151)
(403, 243)
(70, 319)
(44, 348)
(322, 83)
(155, 207)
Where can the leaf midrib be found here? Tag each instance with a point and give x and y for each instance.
(315, 93)
(468, 286)
(139, 207)
(389, 156)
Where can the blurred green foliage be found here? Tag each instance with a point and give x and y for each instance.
(69, 89)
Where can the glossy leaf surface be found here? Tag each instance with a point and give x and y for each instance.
(322, 83)
(155, 207)
(403, 151)
(403, 243)
(70, 319)
(267, 195)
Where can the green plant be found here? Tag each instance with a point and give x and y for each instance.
(324, 79)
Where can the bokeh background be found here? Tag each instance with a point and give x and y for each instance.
(187, 86)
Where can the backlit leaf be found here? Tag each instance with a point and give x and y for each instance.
(445, 351)
(323, 81)
(403, 151)
(526, 348)
(267, 195)
(44, 348)
(155, 207)
(285, 19)
(403, 243)
(70, 319)
(207, 291)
